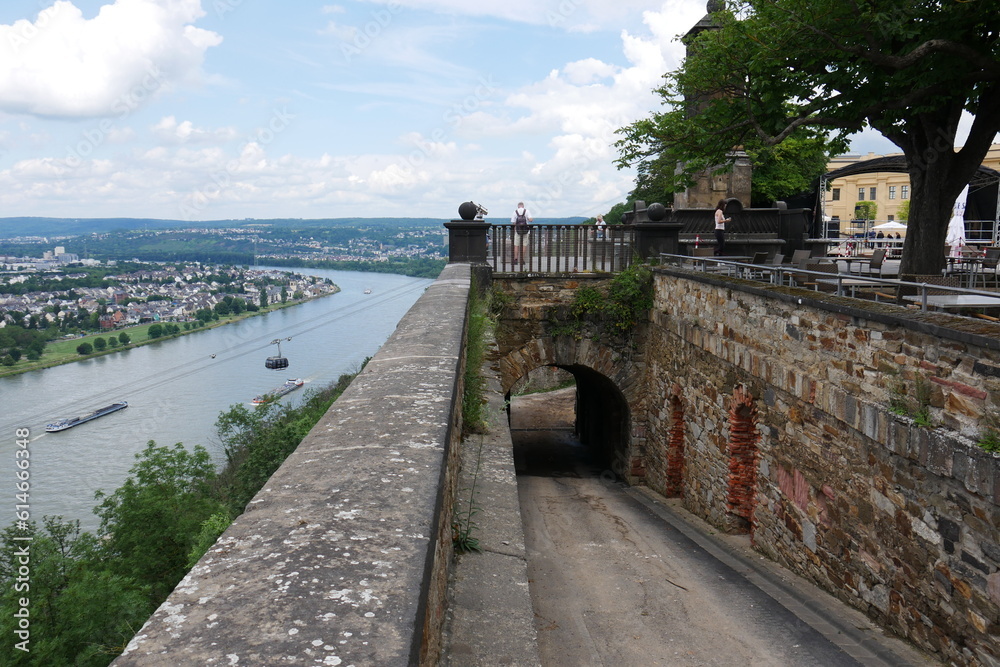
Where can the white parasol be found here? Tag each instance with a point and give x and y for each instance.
(956, 226)
(890, 227)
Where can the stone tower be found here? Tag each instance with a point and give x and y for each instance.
(708, 189)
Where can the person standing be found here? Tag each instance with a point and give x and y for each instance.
(520, 220)
(720, 227)
(600, 227)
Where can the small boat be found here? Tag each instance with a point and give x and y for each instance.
(70, 422)
(368, 291)
(278, 392)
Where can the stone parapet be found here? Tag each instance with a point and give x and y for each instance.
(342, 558)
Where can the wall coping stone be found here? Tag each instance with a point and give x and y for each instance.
(331, 563)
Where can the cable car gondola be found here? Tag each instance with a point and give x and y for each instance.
(276, 362)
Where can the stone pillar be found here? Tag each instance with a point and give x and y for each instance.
(467, 237)
(655, 232)
(467, 241)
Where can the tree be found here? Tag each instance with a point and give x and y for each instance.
(81, 613)
(124, 338)
(100, 344)
(84, 349)
(907, 68)
(150, 523)
(155, 331)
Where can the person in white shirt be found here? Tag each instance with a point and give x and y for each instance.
(600, 227)
(720, 227)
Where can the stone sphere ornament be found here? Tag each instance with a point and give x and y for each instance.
(468, 210)
(656, 212)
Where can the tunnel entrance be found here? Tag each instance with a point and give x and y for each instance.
(579, 427)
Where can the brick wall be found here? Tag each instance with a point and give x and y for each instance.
(788, 433)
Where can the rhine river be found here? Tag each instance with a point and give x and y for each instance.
(177, 388)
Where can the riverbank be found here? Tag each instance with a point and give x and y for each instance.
(63, 351)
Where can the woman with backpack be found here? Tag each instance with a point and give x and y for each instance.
(520, 220)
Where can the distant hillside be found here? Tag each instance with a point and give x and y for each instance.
(26, 226)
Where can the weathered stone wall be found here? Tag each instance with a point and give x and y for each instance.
(342, 558)
(790, 392)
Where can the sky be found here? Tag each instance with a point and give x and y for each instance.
(231, 109)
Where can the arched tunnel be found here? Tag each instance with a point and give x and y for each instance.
(582, 427)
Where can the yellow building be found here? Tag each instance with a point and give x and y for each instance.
(888, 189)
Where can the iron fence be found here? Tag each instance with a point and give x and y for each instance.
(560, 248)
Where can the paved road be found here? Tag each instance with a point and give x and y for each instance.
(618, 577)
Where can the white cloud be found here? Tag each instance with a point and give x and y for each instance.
(64, 65)
(170, 131)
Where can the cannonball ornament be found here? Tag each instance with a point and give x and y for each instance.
(467, 210)
(656, 211)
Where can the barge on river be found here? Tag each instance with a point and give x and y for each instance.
(274, 394)
(70, 422)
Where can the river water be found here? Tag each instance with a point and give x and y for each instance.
(177, 388)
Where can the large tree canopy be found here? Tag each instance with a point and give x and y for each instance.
(907, 68)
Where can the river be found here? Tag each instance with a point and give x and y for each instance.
(177, 388)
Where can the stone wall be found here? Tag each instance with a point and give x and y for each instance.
(342, 558)
(789, 402)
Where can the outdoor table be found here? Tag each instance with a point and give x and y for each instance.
(853, 283)
(850, 260)
(956, 301)
(966, 266)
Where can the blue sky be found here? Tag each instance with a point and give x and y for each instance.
(211, 109)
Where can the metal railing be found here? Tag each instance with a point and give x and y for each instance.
(903, 292)
(560, 248)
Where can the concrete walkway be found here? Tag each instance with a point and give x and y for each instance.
(621, 576)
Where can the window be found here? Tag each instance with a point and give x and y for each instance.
(891, 218)
(872, 193)
(904, 192)
(861, 194)
(892, 192)
(836, 194)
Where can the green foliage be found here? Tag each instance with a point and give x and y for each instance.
(257, 440)
(619, 307)
(81, 612)
(124, 338)
(903, 212)
(480, 327)
(773, 68)
(100, 344)
(866, 210)
(84, 349)
(211, 529)
(917, 407)
(150, 522)
(155, 331)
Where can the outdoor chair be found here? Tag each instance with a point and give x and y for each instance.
(798, 256)
(875, 263)
(988, 268)
(825, 267)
